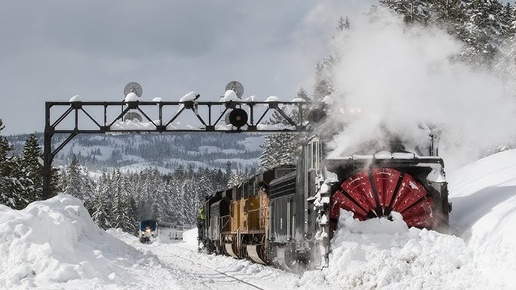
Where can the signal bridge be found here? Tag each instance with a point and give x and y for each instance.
(231, 114)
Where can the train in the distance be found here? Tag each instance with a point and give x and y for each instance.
(286, 216)
(148, 231)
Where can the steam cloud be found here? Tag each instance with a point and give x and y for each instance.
(401, 77)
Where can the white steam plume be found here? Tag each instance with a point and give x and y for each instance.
(403, 76)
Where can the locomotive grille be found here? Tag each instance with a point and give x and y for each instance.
(283, 186)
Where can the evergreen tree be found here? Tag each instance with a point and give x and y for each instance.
(173, 197)
(55, 182)
(31, 164)
(483, 30)
(236, 178)
(132, 215)
(412, 10)
(323, 79)
(11, 189)
(73, 182)
(450, 16)
(118, 210)
(482, 25)
(279, 149)
(343, 23)
(100, 214)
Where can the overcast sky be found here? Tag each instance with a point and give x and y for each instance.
(53, 50)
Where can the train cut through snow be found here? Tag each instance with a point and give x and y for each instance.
(287, 216)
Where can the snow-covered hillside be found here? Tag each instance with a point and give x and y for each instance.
(165, 152)
(53, 244)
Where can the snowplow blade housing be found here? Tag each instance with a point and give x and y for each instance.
(373, 186)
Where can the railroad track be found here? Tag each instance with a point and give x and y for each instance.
(213, 279)
(206, 275)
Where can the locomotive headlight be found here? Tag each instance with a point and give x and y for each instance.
(147, 230)
(345, 111)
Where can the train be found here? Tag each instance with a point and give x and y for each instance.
(287, 216)
(148, 231)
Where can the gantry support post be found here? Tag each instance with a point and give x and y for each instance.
(47, 153)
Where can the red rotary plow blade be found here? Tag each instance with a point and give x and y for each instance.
(373, 187)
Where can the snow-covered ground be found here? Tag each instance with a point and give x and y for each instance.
(54, 244)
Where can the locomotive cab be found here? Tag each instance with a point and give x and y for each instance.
(148, 230)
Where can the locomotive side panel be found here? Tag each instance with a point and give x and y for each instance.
(281, 219)
(281, 195)
(253, 214)
(214, 222)
(235, 216)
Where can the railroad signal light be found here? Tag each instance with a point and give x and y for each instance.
(237, 117)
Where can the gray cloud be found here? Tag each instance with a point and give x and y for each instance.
(52, 50)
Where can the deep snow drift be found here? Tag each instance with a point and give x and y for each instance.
(54, 244)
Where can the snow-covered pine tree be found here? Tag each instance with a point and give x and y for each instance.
(33, 169)
(236, 177)
(88, 185)
(482, 25)
(55, 182)
(118, 216)
(131, 223)
(323, 85)
(281, 148)
(483, 30)
(158, 195)
(73, 179)
(131, 212)
(100, 212)
(172, 198)
(11, 188)
(343, 23)
(412, 10)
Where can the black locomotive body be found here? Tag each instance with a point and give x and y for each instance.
(287, 216)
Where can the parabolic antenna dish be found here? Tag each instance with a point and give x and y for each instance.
(133, 87)
(236, 87)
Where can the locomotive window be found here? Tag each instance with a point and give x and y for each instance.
(239, 192)
(315, 154)
(250, 188)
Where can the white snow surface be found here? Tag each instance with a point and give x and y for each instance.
(230, 96)
(75, 98)
(131, 97)
(189, 97)
(54, 244)
(272, 99)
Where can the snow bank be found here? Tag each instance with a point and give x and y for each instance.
(190, 236)
(383, 254)
(483, 194)
(55, 244)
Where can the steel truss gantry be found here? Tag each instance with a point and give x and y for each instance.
(77, 117)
